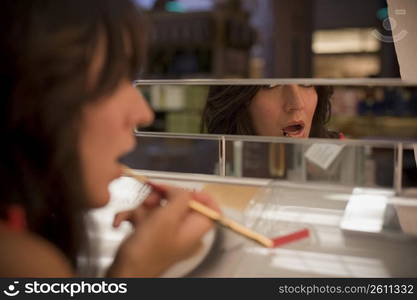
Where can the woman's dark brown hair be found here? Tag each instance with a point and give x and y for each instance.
(46, 51)
(226, 111)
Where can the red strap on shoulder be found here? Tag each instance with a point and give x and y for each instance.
(16, 218)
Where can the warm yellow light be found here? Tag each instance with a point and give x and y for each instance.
(349, 40)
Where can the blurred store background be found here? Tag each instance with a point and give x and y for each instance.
(269, 38)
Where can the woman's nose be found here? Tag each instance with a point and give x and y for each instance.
(142, 113)
(294, 98)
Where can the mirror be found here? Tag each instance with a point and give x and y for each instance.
(355, 109)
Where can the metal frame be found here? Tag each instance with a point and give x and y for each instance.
(398, 169)
(278, 81)
(272, 139)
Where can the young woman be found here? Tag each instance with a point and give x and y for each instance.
(68, 110)
(284, 110)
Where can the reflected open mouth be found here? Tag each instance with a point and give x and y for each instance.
(294, 129)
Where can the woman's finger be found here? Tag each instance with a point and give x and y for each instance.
(194, 226)
(134, 216)
(177, 206)
(166, 191)
(122, 216)
(153, 200)
(205, 199)
(140, 214)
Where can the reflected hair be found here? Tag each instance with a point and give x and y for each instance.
(47, 51)
(227, 111)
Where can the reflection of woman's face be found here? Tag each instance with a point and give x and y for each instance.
(107, 134)
(285, 110)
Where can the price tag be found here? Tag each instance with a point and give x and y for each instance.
(323, 155)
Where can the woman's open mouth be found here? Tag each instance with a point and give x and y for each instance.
(294, 129)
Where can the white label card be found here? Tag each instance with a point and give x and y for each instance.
(323, 155)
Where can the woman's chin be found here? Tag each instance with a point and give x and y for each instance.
(100, 200)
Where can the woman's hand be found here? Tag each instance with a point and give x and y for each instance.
(162, 235)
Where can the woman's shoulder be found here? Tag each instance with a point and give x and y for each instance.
(24, 254)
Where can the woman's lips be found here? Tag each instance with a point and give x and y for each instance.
(294, 129)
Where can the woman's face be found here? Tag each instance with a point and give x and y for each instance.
(285, 110)
(106, 135)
